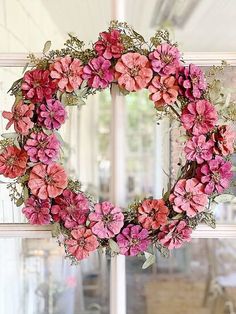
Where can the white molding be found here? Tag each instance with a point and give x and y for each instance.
(199, 58)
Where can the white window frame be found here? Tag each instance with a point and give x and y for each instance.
(118, 281)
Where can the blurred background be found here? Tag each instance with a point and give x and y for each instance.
(35, 277)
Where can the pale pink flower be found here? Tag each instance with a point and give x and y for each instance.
(199, 117)
(188, 196)
(13, 162)
(175, 234)
(71, 208)
(199, 149)
(52, 114)
(47, 181)
(106, 220)
(37, 211)
(109, 45)
(42, 147)
(191, 81)
(133, 240)
(133, 71)
(98, 72)
(152, 213)
(81, 243)
(215, 175)
(164, 90)
(20, 117)
(67, 73)
(165, 59)
(224, 139)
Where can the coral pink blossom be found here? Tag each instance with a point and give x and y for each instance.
(199, 117)
(188, 196)
(52, 114)
(191, 81)
(133, 71)
(224, 139)
(37, 211)
(215, 175)
(42, 147)
(175, 234)
(199, 149)
(165, 59)
(13, 162)
(47, 181)
(152, 213)
(67, 73)
(81, 243)
(106, 220)
(20, 117)
(37, 85)
(109, 45)
(98, 72)
(71, 208)
(164, 90)
(133, 240)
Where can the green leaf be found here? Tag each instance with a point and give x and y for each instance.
(14, 85)
(25, 67)
(25, 193)
(224, 198)
(47, 132)
(16, 143)
(19, 202)
(56, 229)
(150, 260)
(209, 219)
(47, 46)
(114, 246)
(9, 135)
(59, 137)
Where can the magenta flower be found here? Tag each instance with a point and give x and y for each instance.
(215, 175)
(52, 114)
(133, 240)
(42, 147)
(109, 45)
(71, 208)
(198, 149)
(81, 243)
(199, 117)
(98, 72)
(175, 234)
(165, 59)
(37, 211)
(37, 85)
(188, 196)
(224, 139)
(191, 81)
(106, 220)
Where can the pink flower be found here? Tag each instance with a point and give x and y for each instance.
(133, 240)
(71, 208)
(37, 211)
(152, 214)
(192, 82)
(215, 175)
(67, 73)
(98, 72)
(52, 114)
(199, 149)
(37, 85)
(175, 234)
(188, 196)
(47, 181)
(109, 45)
(13, 162)
(164, 90)
(81, 243)
(20, 117)
(165, 59)
(224, 139)
(199, 117)
(42, 147)
(106, 220)
(133, 71)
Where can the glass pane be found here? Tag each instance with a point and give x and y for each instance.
(36, 279)
(197, 279)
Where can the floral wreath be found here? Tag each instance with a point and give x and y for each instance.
(66, 77)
